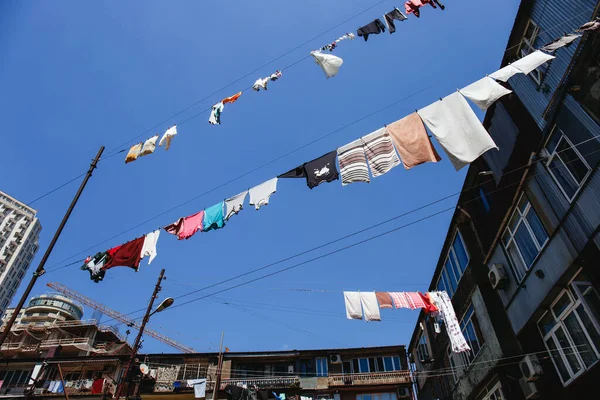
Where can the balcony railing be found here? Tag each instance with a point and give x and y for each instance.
(263, 383)
(64, 342)
(371, 378)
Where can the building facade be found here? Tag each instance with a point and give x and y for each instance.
(19, 233)
(521, 256)
(45, 309)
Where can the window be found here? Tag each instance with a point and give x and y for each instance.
(452, 363)
(455, 266)
(495, 393)
(524, 237)
(484, 200)
(423, 348)
(374, 364)
(566, 165)
(571, 329)
(470, 329)
(322, 366)
(529, 44)
(377, 396)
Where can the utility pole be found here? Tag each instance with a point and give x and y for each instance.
(62, 380)
(40, 269)
(219, 367)
(136, 344)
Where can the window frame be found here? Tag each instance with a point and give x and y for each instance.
(471, 318)
(423, 342)
(576, 300)
(552, 155)
(445, 275)
(494, 391)
(324, 367)
(521, 275)
(537, 75)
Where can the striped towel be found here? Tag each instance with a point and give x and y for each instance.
(399, 299)
(380, 152)
(412, 300)
(353, 163)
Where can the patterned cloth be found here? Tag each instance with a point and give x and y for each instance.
(412, 300)
(353, 163)
(380, 152)
(444, 304)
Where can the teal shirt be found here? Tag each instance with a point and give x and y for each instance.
(213, 218)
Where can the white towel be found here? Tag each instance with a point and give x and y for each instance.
(199, 386)
(149, 248)
(260, 194)
(149, 146)
(352, 300)
(329, 63)
(370, 306)
(457, 128)
(235, 204)
(484, 92)
(561, 42)
(168, 136)
(532, 61)
(504, 74)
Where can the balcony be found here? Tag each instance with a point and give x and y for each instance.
(371, 378)
(66, 342)
(263, 383)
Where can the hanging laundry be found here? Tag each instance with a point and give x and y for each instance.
(199, 386)
(505, 73)
(457, 128)
(370, 307)
(380, 152)
(95, 266)
(236, 392)
(411, 8)
(126, 255)
(260, 83)
(97, 386)
(213, 218)
(353, 163)
(352, 301)
(185, 228)
(532, 61)
(317, 171)
(484, 92)
(215, 114)
(560, 42)
(134, 153)
(275, 75)
(235, 204)
(260, 194)
(412, 300)
(589, 26)
(168, 136)
(444, 304)
(384, 299)
(149, 146)
(373, 28)
(329, 63)
(331, 46)
(231, 99)
(149, 248)
(390, 17)
(412, 142)
(429, 306)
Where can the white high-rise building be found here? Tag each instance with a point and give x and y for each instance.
(19, 233)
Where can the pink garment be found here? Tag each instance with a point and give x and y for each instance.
(412, 300)
(186, 227)
(412, 6)
(399, 299)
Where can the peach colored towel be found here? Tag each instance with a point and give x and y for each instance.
(411, 140)
(231, 99)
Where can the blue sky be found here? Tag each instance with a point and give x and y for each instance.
(78, 75)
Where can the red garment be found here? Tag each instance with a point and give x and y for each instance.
(97, 386)
(429, 306)
(412, 6)
(186, 227)
(125, 255)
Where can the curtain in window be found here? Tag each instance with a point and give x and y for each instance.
(461, 253)
(536, 226)
(525, 242)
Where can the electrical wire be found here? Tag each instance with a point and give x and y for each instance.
(55, 189)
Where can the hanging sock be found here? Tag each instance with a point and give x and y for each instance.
(213, 218)
(215, 114)
(317, 171)
(231, 99)
(457, 128)
(564, 41)
(234, 205)
(391, 16)
(412, 142)
(134, 153)
(352, 301)
(95, 266)
(384, 299)
(353, 163)
(484, 92)
(444, 304)
(368, 300)
(149, 248)
(505, 73)
(168, 136)
(149, 146)
(126, 255)
(373, 28)
(380, 152)
(185, 228)
(532, 61)
(589, 26)
(329, 63)
(260, 194)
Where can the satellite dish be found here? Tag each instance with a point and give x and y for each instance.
(144, 369)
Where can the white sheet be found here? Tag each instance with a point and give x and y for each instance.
(484, 92)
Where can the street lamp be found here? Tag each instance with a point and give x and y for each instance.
(166, 303)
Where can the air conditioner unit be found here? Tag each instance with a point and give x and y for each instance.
(530, 368)
(335, 359)
(403, 392)
(497, 276)
(529, 389)
(290, 368)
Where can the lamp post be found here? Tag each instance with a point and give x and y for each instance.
(163, 305)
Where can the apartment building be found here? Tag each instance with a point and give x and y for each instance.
(19, 233)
